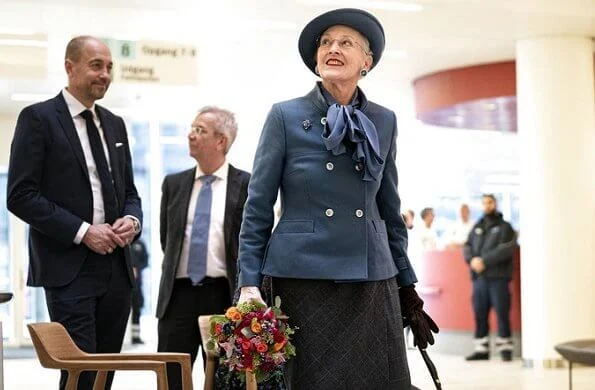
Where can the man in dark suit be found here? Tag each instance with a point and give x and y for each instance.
(201, 214)
(70, 178)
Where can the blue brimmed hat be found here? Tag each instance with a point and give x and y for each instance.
(358, 19)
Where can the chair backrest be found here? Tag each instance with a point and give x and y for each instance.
(53, 344)
(204, 323)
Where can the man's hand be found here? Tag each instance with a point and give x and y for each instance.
(124, 229)
(477, 265)
(101, 239)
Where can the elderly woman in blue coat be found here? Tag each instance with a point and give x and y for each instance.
(338, 255)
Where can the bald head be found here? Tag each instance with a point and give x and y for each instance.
(75, 47)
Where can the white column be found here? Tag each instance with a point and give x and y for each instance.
(556, 114)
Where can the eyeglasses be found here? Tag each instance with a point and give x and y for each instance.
(345, 43)
(202, 130)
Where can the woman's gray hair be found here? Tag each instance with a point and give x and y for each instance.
(226, 123)
(367, 46)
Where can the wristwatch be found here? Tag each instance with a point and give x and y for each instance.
(136, 225)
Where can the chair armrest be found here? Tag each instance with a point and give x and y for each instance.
(111, 365)
(156, 357)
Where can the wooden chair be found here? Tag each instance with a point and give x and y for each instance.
(55, 349)
(212, 356)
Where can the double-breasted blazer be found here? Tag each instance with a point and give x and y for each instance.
(333, 224)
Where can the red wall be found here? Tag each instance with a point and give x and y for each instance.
(445, 286)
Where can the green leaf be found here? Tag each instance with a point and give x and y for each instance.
(211, 345)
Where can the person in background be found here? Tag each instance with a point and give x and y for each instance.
(201, 214)
(425, 233)
(70, 178)
(408, 217)
(459, 232)
(489, 252)
(140, 260)
(337, 257)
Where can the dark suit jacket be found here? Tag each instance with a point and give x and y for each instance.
(175, 198)
(49, 187)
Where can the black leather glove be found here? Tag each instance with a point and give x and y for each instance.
(414, 316)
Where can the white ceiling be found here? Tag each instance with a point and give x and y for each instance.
(245, 44)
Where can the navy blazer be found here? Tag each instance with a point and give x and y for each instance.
(49, 187)
(333, 225)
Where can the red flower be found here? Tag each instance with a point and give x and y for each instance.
(262, 348)
(269, 314)
(218, 329)
(245, 323)
(278, 337)
(247, 361)
(267, 366)
(246, 345)
(250, 315)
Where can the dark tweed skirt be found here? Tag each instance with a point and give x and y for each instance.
(350, 335)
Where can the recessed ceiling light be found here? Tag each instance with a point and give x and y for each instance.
(15, 31)
(30, 97)
(394, 6)
(269, 25)
(23, 43)
(371, 4)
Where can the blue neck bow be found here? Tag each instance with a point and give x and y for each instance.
(347, 125)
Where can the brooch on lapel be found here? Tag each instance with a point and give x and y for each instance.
(306, 124)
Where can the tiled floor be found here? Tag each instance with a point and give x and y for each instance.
(456, 374)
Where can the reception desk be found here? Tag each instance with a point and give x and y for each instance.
(445, 286)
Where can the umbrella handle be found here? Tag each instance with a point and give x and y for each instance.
(431, 368)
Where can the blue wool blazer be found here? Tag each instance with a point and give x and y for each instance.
(333, 224)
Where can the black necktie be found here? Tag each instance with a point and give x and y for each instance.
(110, 206)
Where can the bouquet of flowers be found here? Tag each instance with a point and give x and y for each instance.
(252, 340)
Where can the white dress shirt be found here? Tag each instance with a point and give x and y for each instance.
(216, 245)
(76, 108)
